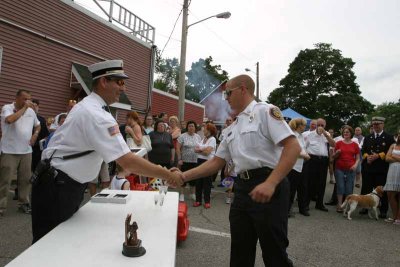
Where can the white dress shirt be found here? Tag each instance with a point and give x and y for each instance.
(316, 144)
(87, 127)
(253, 141)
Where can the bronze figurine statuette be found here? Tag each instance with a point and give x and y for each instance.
(132, 246)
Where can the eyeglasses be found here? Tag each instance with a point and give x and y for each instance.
(227, 93)
(377, 123)
(320, 125)
(120, 82)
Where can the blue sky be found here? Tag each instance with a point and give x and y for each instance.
(273, 32)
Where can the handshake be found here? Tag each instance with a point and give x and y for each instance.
(176, 178)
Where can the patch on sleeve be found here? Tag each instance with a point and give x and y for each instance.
(113, 130)
(276, 113)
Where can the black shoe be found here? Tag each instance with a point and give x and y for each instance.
(304, 213)
(382, 215)
(363, 212)
(25, 208)
(15, 194)
(331, 203)
(323, 208)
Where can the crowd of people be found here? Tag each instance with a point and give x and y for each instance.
(352, 159)
(254, 153)
(187, 145)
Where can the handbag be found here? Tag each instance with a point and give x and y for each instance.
(146, 143)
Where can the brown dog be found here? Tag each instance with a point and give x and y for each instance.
(370, 201)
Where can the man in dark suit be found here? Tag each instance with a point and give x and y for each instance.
(44, 132)
(374, 167)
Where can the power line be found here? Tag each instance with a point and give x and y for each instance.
(171, 31)
(226, 42)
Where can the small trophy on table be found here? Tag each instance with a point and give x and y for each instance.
(132, 246)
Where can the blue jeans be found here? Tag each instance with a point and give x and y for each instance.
(344, 181)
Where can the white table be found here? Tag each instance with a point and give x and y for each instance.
(95, 234)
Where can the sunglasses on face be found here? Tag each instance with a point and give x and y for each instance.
(120, 82)
(228, 92)
(321, 125)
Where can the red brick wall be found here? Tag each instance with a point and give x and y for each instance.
(169, 104)
(44, 67)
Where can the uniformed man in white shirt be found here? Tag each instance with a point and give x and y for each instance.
(316, 169)
(89, 136)
(263, 150)
(313, 126)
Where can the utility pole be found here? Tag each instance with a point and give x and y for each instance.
(182, 66)
(257, 81)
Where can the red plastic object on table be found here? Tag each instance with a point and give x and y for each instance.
(183, 222)
(135, 184)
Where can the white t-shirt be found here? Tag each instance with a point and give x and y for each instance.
(87, 127)
(117, 183)
(17, 135)
(210, 142)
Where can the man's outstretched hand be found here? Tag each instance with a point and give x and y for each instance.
(176, 178)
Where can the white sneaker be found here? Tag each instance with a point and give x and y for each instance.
(228, 200)
(193, 196)
(182, 198)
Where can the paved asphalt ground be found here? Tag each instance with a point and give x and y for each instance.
(323, 239)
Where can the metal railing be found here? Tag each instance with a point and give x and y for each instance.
(137, 26)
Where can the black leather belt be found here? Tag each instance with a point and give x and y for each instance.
(63, 178)
(254, 173)
(318, 157)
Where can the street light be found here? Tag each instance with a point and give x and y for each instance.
(257, 79)
(185, 28)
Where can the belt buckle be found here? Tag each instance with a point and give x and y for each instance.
(245, 175)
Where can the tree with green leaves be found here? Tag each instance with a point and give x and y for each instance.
(391, 112)
(167, 74)
(203, 77)
(321, 83)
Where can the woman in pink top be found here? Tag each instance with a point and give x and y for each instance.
(347, 157)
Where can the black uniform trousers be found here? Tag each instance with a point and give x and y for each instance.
(54, 202)
(370, 180)
(316, 170)
(266, 222)
(188, 166)
(203, 186)
(295, 179)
